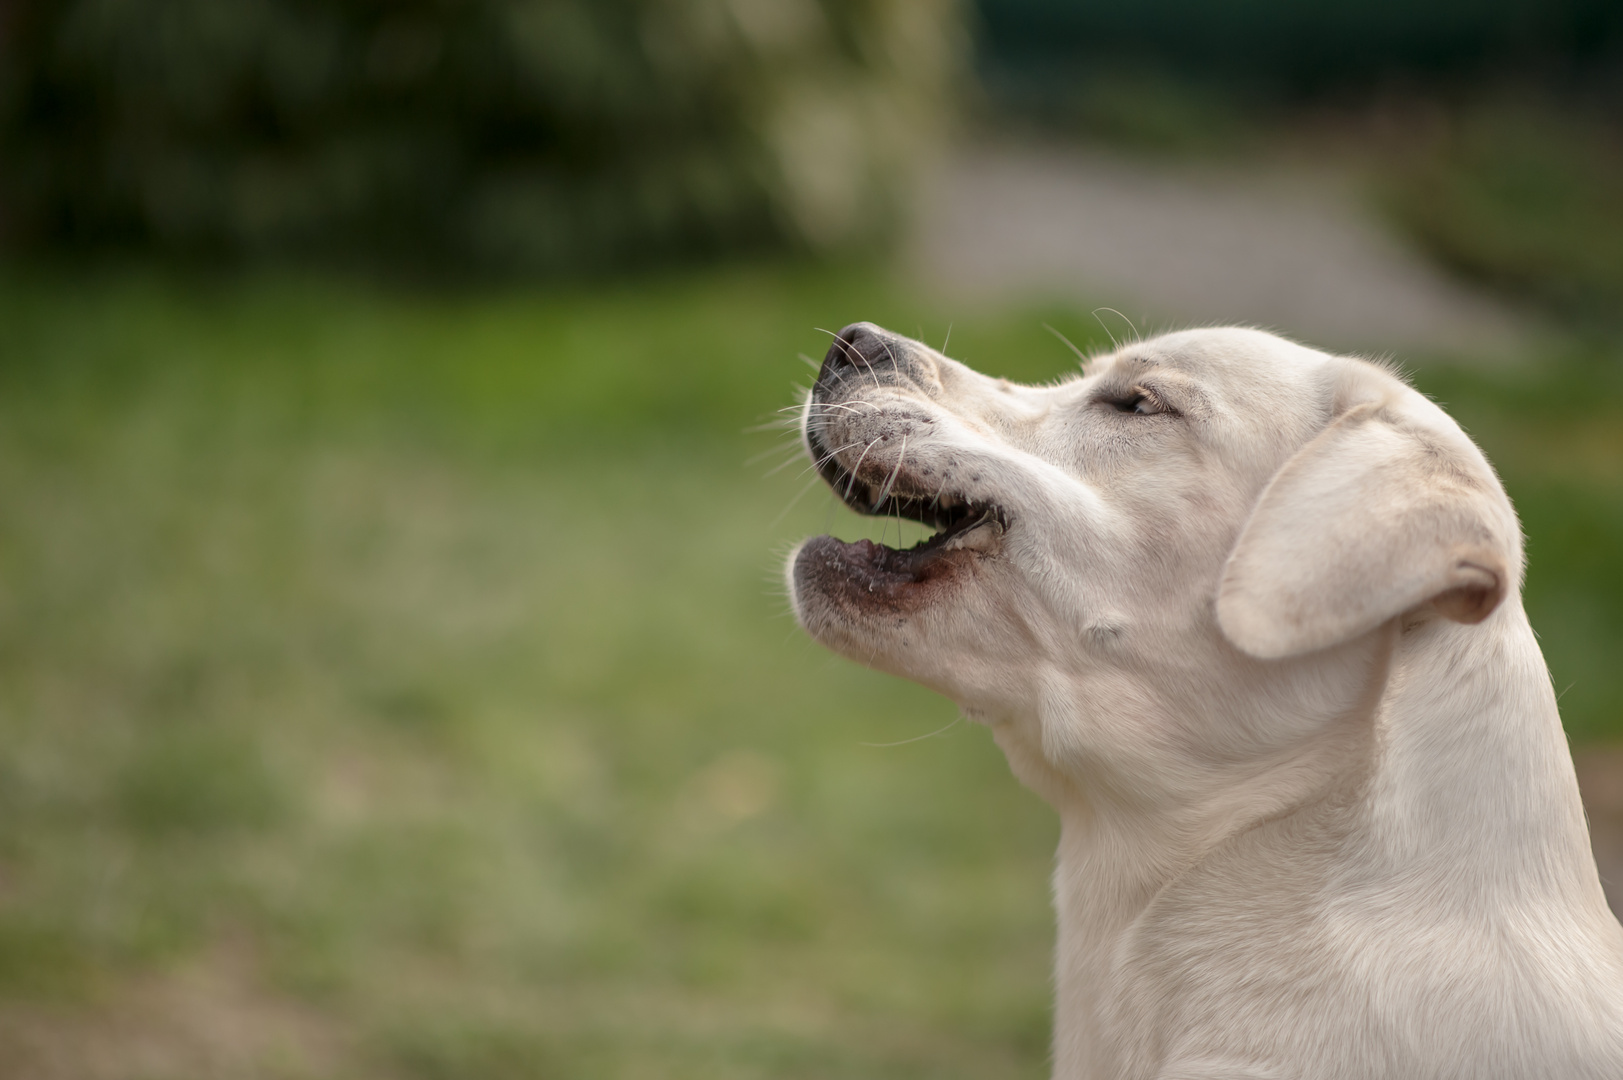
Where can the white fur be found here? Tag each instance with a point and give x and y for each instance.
(1265, 654)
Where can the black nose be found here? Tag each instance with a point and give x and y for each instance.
(860, 349)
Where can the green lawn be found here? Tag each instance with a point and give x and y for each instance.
(399, 686)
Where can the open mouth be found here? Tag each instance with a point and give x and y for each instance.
(965, 529)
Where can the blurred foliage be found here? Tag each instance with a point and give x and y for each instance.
(1524, 196)
(1143, 108)
(1292, 47)
(533, 135)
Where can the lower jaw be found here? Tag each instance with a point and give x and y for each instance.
(865, 578)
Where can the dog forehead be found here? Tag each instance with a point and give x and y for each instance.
(1224, 355)
(1243, 375)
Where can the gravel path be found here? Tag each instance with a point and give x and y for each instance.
(1291, 250)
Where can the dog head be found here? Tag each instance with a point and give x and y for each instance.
(1183, 556)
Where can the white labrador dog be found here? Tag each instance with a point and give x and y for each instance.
(1247, 615)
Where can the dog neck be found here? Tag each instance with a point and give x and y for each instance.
(1452, 764)
(1474, 788)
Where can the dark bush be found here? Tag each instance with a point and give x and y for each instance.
(1307, 46)
(533, 135)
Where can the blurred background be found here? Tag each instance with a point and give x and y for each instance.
(394, 677)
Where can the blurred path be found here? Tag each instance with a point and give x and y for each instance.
(1173, 245)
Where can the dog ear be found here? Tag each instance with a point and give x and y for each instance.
(1378, 515)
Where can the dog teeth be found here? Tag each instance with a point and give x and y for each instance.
(949, 502)
(874, 491)
(984, 536)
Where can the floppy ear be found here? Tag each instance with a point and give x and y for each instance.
(1375, 517)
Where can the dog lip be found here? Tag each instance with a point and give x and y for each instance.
(866, 578)
(892, 495)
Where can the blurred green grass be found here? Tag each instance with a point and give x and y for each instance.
(398, 685)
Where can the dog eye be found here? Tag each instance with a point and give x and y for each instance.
(1139, 402)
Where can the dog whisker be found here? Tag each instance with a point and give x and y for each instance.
(917, 738)
(858, 466)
